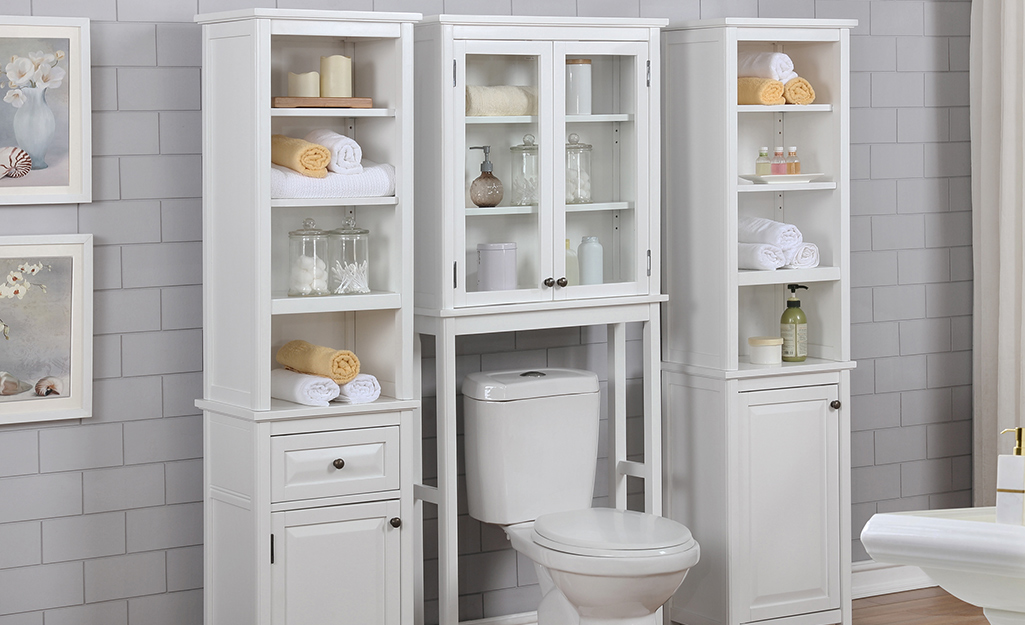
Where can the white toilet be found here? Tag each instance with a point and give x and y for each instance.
(531, 446)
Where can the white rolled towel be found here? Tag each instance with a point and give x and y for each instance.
(362, 390)
(346, 155)
(774, 65)
(761, 256)
(759, 230)
(308, 390)
(803, 256)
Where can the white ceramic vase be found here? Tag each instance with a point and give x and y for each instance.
(34, 125)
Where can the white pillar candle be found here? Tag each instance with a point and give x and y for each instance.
(335, 76)
(304, 85)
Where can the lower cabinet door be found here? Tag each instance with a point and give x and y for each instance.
(787, 503)
(337, 565)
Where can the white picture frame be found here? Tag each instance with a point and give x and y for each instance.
(46, 327)
(62, 167)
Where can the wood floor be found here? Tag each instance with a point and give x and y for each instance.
(928, 606)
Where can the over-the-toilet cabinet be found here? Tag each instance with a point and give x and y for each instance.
(534, 56)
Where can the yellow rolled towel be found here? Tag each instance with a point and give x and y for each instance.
(798, 91)
(309, 159)
(340, 365)
(751, 90)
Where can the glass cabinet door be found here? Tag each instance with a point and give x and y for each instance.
(600, 223)
(507, 151)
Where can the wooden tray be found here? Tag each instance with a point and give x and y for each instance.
(284, 102)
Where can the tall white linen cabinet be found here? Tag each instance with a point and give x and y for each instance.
(757, 460)
(460, 59)
(309, 511)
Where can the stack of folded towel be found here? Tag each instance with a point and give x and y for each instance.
(769, 78)
(325, 164)
(767, 245)
(500, 100)
(314, 375)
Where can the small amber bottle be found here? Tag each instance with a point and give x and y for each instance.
(793, 163)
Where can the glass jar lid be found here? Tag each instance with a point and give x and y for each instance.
(574, 143)
(528, 145)
(350, 228)
(309, 229)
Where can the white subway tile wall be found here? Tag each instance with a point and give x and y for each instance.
(101, 519)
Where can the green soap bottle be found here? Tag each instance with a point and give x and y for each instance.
(793, 327)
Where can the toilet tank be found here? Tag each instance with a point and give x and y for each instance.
(531, 442)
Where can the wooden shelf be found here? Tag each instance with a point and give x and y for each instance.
(390, 200)
(331, 112)
(282, 304)
(475, 211)
(532, 119)
(748, 277)
(785, 108)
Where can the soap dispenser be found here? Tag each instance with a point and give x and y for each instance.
(1011, 484)
(793, 327)
(486, 189)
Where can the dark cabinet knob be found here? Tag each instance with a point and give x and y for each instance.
(339, 463)
(396, 522)
(835, 404)
(549, 282)
(562, 282)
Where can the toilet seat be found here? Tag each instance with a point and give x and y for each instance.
(610, 533)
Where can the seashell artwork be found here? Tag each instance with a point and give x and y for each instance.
(49, 386)
(14, 162)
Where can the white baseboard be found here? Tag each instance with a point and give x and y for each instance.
(871, 578)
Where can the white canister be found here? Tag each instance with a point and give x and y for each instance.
(765, 350)
(496, 266)
(590, 257)
(578, 86)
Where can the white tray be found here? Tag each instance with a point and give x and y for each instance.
(781, 178)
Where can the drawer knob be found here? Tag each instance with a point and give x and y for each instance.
(835, 404)
(396, 522)
(339, 463)
(562, 282)
(549, 282)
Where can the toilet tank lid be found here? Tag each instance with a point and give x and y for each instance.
(528, 384)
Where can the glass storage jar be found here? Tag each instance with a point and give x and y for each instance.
(350, 254)
(578, 171)
(307, 251)
(524, 172)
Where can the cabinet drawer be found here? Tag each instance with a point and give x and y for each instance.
(327, 464)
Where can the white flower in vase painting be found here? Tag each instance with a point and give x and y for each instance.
(20, 71)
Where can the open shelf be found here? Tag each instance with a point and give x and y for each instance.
(532, 119)
(746, 277)
(282, 304)
(475, 211)
(331, 112)
(750, 187)
(389, 200)
(785, 108)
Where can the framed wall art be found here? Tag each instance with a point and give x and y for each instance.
(46, 327)
(45, 118)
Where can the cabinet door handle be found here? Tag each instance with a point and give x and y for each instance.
(396, 522)
(549, 282)
(339, 463)
(835, 404)
(562, 282)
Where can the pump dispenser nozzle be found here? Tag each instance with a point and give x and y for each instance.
(1018, 435)
(793, 302)
(486, 165)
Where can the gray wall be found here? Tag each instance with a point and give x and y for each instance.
(100, 520)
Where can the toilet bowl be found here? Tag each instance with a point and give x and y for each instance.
(531, 444)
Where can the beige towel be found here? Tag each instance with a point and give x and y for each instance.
(798, 91)
(340, 365)
(500, 100)
(759, 91)
(309, 159)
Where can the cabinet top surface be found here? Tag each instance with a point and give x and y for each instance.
(307, 14)
(763, 22)
(525, 20)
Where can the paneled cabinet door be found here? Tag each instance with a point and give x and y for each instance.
(787, 503)
(337, 565)
(565, 176)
